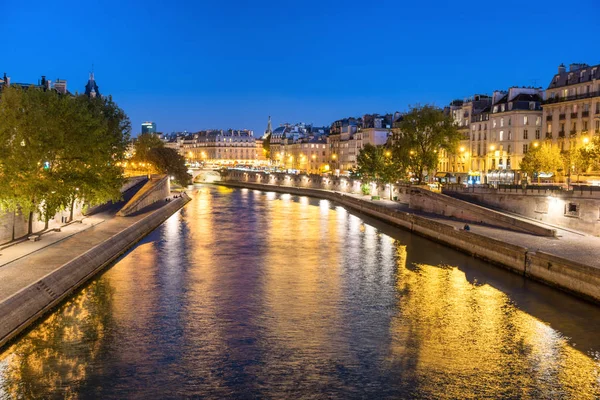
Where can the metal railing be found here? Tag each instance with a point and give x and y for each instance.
(571, 98)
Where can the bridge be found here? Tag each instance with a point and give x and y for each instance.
(204, 175)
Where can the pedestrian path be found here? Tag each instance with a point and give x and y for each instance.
(26, 262)
(575, 246)
(14, 251)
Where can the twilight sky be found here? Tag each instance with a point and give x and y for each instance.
(191, 65)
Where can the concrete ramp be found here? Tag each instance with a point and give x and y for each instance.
(441, 204)
(157, 188)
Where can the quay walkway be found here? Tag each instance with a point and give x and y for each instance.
(576, 246)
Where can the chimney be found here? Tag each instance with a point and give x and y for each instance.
(562, 69)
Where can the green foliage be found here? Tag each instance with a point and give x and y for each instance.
(379, 164)
(55, 149)
(420, 135)
(546, 158)
(266, 144)
(365, 189)
(169, 161)
(150, 149)
(144, 143)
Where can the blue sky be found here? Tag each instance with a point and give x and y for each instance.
(191, 65)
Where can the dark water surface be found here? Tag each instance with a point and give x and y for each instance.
(246, 294)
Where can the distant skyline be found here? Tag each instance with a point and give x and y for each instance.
(219, 65)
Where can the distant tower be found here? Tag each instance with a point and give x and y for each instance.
(91, 88)
(269, 129)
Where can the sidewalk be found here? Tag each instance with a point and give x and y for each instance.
(24, 263)
(575, 246)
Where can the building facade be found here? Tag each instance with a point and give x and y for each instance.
(223, 148)
(148, 127)
(571, 110)
(300, 147)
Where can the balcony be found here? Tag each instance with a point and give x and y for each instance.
(561, 134)
(571, 98)
(585, 114)
(573, 115)
(573, 133)
(562, 116)
(548, 117)
(548, 136)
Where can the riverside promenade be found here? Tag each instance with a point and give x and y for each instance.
(568, 261)
(27, 268)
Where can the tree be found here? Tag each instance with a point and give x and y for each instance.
(56, 149)
(380, 164)
(542, 159)
(150, 149)
(421, 134)
(169, 161)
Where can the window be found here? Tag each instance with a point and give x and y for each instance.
(503, 107)
(532, 105)
(494, 123)
(508, 149)
(525, 134)
(597, 126)
(508, 163)
(572, 209)
(495, 109)
(501, 135)
(537, 134)
(525, 120)
(524, 149)
(538, 121)
(585, 126)
(485, 125)
(509, 135)
(510, 105)
(509, 121)
(501, 121)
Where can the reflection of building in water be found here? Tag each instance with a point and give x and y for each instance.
(54, 356)
(451, 330)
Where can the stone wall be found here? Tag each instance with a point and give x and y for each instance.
(549, 206)
(580, 280)
(158, 188)
(24, 307)
(418, 198)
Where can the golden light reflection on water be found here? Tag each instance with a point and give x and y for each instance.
(466, 340)
(265, 295)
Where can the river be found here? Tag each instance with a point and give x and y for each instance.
(248, 294)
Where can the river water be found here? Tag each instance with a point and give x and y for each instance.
(247, 294)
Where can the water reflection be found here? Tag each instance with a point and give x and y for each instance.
(252, 294)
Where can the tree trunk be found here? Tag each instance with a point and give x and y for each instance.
(30, 223)
(46, 221)
(13, 226)
(71, 213)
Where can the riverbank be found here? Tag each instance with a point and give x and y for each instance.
(33, 284)
(539, 258)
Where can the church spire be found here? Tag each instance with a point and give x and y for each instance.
(269, 127)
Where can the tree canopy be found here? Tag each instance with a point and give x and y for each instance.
(542, 159)
(55, 149)
(421, 133)
(150, 151)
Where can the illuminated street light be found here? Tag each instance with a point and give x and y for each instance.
(462, 149)
(388, 153)
(586, 140)
(535, 144)
(492, 147)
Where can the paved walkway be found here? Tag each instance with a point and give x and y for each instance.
(575, 246)
(24, 263)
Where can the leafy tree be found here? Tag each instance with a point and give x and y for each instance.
(150, 149)
(266, 144)
(144, 143)
(420, 135)
(380, 164)
(169, 161)
(546, 158)
(56, 149)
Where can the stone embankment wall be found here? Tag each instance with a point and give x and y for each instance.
(158, 188)
(416, 197)
(576, 209)
(581, 280)
(24, 307)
